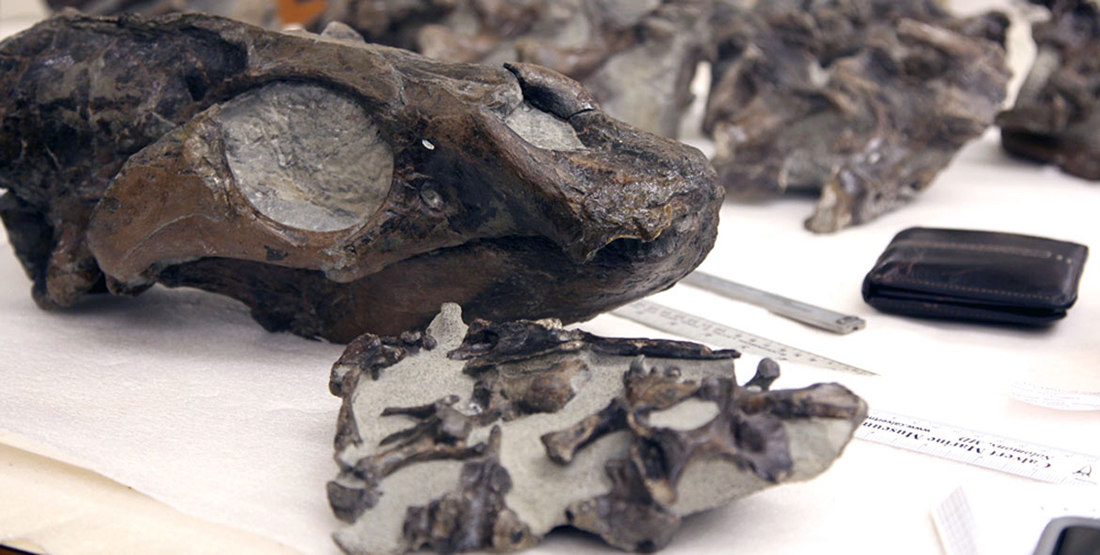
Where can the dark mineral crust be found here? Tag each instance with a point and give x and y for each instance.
(1056, 118)
(637, 57)
(488, 436)
(332, 186)
(862, 100)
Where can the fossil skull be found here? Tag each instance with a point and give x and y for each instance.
(337, 187)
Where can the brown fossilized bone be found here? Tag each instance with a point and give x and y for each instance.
(489, 436)
(863, 101)
(333, 186)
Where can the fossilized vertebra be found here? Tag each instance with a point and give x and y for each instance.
(489, 436)
(862, 100)
(1056, 117)
(333, 186)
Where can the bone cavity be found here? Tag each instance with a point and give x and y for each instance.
(306, 157)
(542, 129)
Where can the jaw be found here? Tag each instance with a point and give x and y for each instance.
(492, 279)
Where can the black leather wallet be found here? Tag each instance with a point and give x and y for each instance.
(976, 275)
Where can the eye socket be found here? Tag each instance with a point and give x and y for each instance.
(305, 156)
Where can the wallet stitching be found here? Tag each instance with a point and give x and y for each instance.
(1021, 251)
(1046, 297)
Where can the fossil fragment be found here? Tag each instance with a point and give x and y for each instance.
(637, 57)
(489, 436)
(256, 12)
(333, 186)
(1056, 118)
(862, 100)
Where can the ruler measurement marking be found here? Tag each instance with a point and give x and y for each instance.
(992, 451)
(995, 452)
(806, 313)
(700, 329)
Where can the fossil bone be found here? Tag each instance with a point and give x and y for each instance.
(630, 435)
(637, 57)
(1056, 118)
(334, 187)
(864, 101)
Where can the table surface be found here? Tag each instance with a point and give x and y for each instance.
(171, 423)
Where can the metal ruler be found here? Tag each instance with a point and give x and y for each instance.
(1039, 462)
(991, 451)
(777, 304)
(719, 335)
